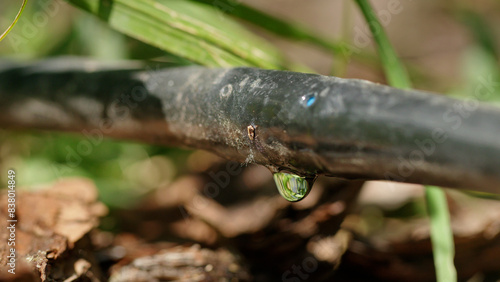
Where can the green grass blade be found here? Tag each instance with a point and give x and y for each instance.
(270, 23)
(15, 21)
(437, 207)
(187, 29)
(481, 60)
(481, 31)
(441, 234)
(286, 29)
(394, 70)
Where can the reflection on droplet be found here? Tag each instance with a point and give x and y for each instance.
(309, 99)
(293, 187)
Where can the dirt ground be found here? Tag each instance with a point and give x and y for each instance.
(246, 232)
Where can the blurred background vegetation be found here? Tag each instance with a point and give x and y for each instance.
(448, 46)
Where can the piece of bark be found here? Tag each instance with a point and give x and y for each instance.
(51, 230)
(182, 263)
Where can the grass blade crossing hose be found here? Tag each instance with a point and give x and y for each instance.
(437, 206)
(308, 124)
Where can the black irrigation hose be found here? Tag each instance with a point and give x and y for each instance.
(304, 123)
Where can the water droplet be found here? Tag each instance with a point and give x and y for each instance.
(309, 99)
(293, 187)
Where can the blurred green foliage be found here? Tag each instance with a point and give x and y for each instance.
(122, 171)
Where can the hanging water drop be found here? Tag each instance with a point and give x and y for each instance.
(293, 187)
